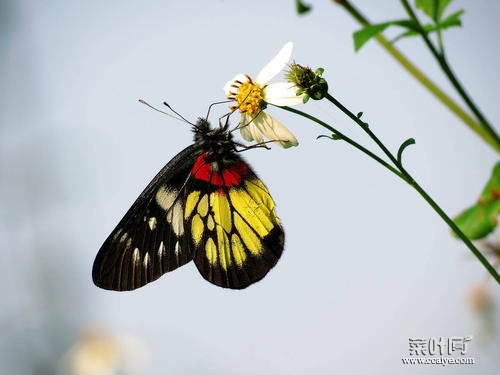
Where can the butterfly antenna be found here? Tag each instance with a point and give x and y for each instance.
(142, 101)
(177, 113)
(216, 103)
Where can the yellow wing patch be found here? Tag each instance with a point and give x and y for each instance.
(210, 222)
(211, 251)
(238, 250)
(197, 229)
(259, 193)
(223, 248)
(221, 210)
(191, 202)
(255, 213)
(250, 239)
(234, 222)
(203, 206)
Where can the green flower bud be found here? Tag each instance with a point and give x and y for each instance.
(308, 83)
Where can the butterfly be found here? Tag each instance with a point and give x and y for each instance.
(205, 205)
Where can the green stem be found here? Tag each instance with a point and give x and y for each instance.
(423, 79)
(440, 41)
(443, 63)
(347, 139)
(408, 178)
(364, 126)
(493, 272)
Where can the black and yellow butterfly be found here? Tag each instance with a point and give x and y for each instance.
(206, 204)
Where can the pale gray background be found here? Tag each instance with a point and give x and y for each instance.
(367, 263)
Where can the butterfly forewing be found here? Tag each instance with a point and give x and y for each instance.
(151, 238)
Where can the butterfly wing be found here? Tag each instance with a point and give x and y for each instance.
(151, 238)
(230, 219)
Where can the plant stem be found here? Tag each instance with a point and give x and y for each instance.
(406, 176)
(364, 126)
(491, 269)
(443, 63)
(423, 79)
(440, 41)
(347, 139)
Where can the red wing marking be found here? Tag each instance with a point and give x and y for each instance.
(202, 170)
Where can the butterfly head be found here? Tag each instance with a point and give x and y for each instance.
(216, 140)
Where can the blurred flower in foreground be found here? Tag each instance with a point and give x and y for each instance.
(253, 95)
(97, 352)
(480, 298)
(481, 303)
(308, 84)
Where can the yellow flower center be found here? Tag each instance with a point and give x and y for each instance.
(249, 98)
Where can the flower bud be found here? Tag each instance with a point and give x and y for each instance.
(308, 83)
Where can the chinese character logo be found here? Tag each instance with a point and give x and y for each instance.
(437, 345)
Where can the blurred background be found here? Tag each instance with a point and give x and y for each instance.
(367, 263)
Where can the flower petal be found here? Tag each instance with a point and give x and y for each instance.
(245, 127)
(249, 130)
(229, 88)
(276, 65)
(282, 93)
(256, 133)
(274, 130)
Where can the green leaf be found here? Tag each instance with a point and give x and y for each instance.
(406, 34)
(301, 7)
(491, 191)
(453, 20)
(365, 34)
(432, 8)
(481, 219)
(408, 24)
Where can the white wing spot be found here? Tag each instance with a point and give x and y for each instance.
(117, 233)
(177, 248)
(145, 262)
(123, 237)
(161, 250)
(136, 256)
(165, 198)
(176, 219)
(152, 223)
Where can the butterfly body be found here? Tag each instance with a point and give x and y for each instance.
(205, 205)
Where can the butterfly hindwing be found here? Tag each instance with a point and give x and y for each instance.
(151, 238)
(230, 219)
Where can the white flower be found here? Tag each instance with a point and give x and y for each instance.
(252, 95)
(98, 352)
